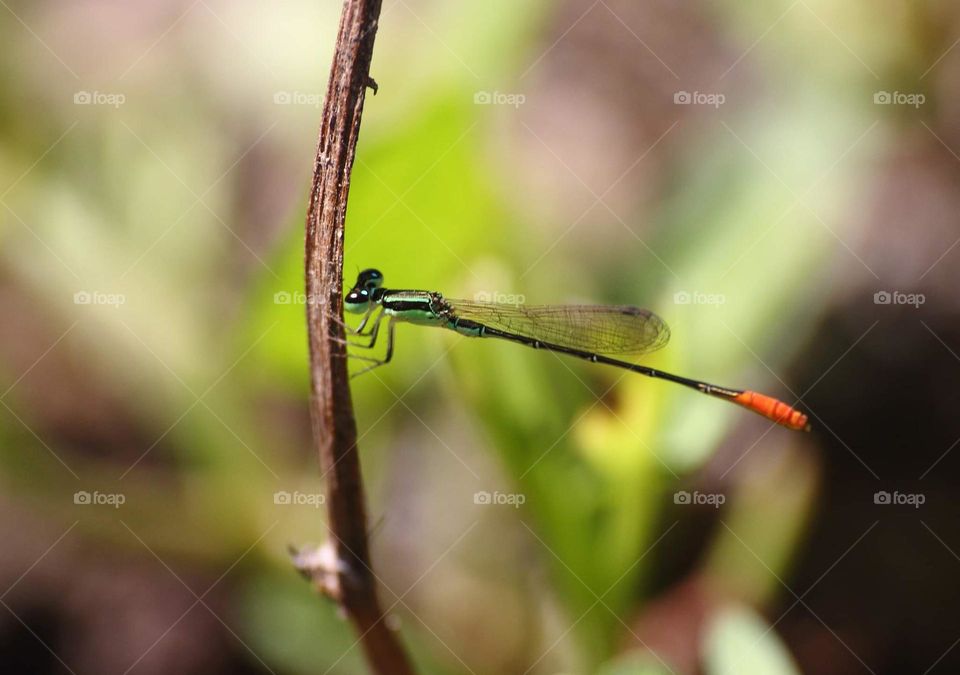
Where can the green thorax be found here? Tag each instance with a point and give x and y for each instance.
(418, 307)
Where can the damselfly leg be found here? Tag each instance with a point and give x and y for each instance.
(373, 333)
(359, 330)
(377, 362)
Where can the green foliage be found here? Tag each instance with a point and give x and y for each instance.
(596, 454)
(739, 642)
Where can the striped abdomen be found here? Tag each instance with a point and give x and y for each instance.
(772, 409)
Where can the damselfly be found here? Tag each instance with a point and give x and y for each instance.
(591, 332)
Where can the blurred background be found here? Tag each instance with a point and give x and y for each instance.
(779, 181)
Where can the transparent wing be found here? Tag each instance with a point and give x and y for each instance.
(604, 329)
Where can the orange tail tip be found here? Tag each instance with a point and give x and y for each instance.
(772, 409)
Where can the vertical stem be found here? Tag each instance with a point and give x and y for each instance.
(352, 582)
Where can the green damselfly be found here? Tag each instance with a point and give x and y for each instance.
(591, 332)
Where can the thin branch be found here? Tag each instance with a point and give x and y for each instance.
(347, 575)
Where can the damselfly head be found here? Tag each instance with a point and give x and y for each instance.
(357, 300)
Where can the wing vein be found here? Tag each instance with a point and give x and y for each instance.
(604, 329)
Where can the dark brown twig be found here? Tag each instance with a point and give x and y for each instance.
(343, 569)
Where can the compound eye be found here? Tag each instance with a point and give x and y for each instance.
(356, 301)
(370, 279)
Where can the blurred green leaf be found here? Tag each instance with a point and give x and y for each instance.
(739, 642)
